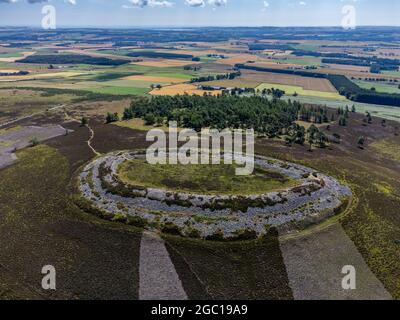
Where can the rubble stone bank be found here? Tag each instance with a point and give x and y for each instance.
(316, 198)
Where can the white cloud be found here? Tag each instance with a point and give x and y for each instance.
(202, 3)
(195, 3)
(265, 6)
(148, 3)
(218, 3)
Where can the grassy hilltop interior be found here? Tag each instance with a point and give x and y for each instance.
(40, 222)
(201, 179)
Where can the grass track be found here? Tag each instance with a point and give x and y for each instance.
(244, 270)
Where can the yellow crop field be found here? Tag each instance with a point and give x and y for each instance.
(181, 89)
(291, 90)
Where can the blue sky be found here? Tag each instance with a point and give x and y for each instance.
(131, 13)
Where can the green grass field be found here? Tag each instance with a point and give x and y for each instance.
(10, 55)
(117, 52)
(380, 87)
(301, 61)
(172, 72)
(291, 90)
(307, 47)
(120, 90)
(392, 73)
(204, 179)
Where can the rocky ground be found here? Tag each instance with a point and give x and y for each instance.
(18, 138)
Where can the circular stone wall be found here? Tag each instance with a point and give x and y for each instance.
(314, 198)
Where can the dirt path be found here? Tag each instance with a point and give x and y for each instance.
(89, 142)
(158, 277)
(314, 265)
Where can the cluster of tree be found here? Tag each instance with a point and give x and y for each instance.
(343, 115)
(259, 46)
(283, 71)
(301, 53)
(275, 93)
(72, 59)
(376, 68)
(125, 44)
(351, 62)
(192, 68)
(163, 55)
(155, 86)
(377, 79)
(314, 136)
(229, 76)
(320, 115)
(149, 118)
(315, 114)
(218, 56)
(295, 134)
(267, 117)
(112, 117)
(17, 73)
(239, 91)
(84, 121)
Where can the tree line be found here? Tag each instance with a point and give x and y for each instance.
(229, 76)
(267, 117)
(72, 59)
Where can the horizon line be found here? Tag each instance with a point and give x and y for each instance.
(196, 26)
